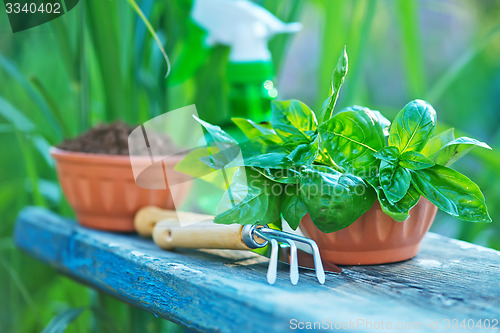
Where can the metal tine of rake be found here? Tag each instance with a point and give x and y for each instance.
(273, 263)
(284, 237)
(294, 263)
(272, 268)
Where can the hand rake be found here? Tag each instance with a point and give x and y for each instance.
(200, 232)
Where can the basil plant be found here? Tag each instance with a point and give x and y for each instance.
(334, 165)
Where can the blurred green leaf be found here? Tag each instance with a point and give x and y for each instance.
(62, 320)
(55, 133)
(413, 57)
(139, 12)
(455, 70)
(15, 117)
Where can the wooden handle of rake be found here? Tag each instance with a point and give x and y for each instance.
(189, 230)
(147, 217)
(199, 236)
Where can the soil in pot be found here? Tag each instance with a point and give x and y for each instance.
(96, 177)
(112, 139)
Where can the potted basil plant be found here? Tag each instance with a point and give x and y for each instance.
(365, 189)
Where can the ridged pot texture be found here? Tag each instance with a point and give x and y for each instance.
(103, 193)
(374, 238)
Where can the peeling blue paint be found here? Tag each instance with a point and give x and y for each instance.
(209, 293)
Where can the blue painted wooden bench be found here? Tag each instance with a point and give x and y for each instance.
(448, 284)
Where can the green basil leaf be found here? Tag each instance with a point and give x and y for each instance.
(394, 180)
(283, 176)
(324, 159)
(227, 146)
(351, 139)
(333, 199)
(272, 215)
(322, 156)
(217, 134)
(383, 121)
(263, 152)
(399, 211)
(228, 157)
(252, 129)
(249, 200)
(452, 192)
(415, 161)
(413, 126)
(191, 164)
(456, 149)
(337, 79)
(293, 120)
(240, 203)
(388, 154)
(293, 209)
(302, 154)
(305, 153)
(260, 152)
(437, 142)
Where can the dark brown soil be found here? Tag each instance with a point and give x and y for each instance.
(111, 139)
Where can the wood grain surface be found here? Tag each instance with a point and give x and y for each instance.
(226, 291)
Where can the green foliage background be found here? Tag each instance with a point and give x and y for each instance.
(99, 63)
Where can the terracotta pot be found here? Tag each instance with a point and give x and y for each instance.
(374, 238)
(102, 191)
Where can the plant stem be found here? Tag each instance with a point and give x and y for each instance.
(332, 163)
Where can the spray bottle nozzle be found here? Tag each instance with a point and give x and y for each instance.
(242, 25)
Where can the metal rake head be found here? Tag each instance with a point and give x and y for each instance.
(280, 238)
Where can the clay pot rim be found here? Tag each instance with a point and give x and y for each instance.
(76, 156)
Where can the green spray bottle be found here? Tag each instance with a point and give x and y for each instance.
(246, 28)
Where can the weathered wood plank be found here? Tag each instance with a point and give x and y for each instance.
(206, 291)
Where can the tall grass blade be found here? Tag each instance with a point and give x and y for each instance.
(454, 71)
(361, 36)
(102, 24)
(412, 46)
(31, 169)
(6, 128)
(52, 104)
(287, 11)
(66, 50)
(16, 280)
(43, 148)
(59, 323)
(333, 39)
(152, 32)
(55, 133)
(15, 117)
